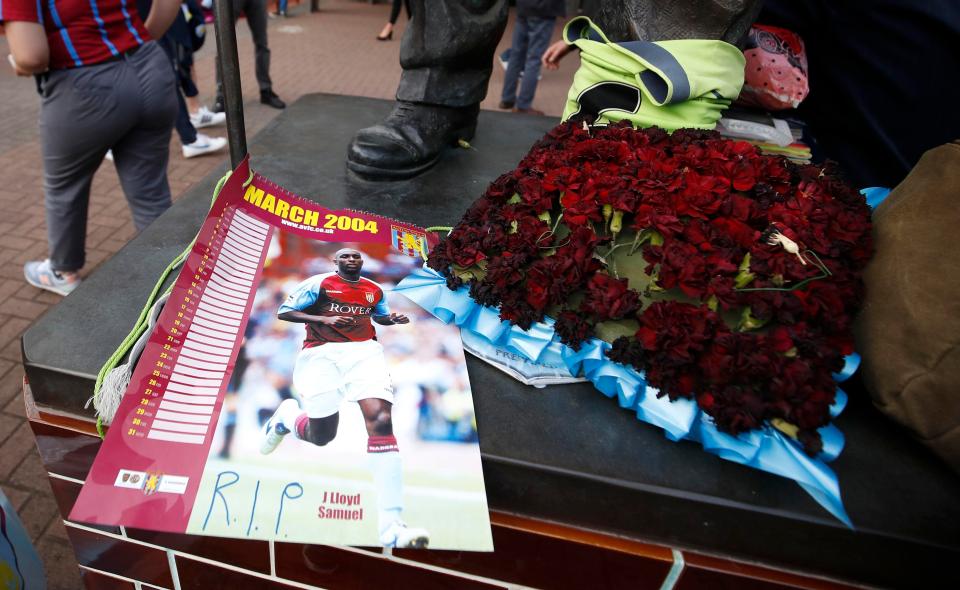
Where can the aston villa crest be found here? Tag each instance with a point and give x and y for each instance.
(153, 481)
(407, 241)
(369, 297)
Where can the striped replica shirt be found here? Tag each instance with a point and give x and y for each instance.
(331, 295)
(81, 32)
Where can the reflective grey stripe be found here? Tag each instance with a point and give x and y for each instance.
(664, 61)
(653, 54)
(655, 85)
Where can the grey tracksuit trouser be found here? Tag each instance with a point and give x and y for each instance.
(128, 105)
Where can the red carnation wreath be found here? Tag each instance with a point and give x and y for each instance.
(727, 276)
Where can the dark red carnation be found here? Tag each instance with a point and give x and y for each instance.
(579, 208)
(627, 351)
(705, 207)
(536, 288)
(573, 328)
(608, 298)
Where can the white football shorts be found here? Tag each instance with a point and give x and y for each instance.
(325, 375)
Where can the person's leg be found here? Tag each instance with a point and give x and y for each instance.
(395, 10)
(183, 125)
(386, 33)
(368, 383)
(142, 154)
(185, 129)
(256, 11)
(198, 115)
(385, 464)
(229, 411)
(518, 57)
(193, 102)
(504, 58)
(318, 431)
(541, 29)
(316, 423)
(318, 381)
(185, 76)
(66, 187)
(229, 414)
(82, 114)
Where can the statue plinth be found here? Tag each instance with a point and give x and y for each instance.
(563, 453)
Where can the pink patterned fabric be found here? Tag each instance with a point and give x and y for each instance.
(775, 76)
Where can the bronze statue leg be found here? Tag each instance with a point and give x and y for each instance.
(661, 20)
(447, 56)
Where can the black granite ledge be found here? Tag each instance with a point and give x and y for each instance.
(564, 453)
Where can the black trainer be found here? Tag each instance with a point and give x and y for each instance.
(218, 105)
(410, 139)
(270, 98)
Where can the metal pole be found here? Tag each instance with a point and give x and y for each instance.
(229, 66)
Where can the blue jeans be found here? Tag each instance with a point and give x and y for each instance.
(185, 129)
(531, 37)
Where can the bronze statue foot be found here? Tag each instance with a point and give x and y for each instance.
(409, 140)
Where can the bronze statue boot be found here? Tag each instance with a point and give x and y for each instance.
(409, 140)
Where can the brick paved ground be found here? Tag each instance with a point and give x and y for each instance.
(333, 51)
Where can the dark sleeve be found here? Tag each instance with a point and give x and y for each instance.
(883, 75)
(179, 31)
(542, 8)
(143, 8)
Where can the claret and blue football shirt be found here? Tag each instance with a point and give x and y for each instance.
(81, 32)
(332, 295)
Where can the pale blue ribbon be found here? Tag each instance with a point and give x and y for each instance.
(766, 449)
(874, 195)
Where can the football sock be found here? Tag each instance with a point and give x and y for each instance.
(387, 477)
(228, 431)
(300, 426)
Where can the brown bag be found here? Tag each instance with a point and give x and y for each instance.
(909, 329)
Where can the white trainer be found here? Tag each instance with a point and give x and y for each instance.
(276, 427)
(204, 117)
(40, 274)
(399, 535)
(204, 144)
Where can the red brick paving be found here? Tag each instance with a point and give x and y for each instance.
(333, 51)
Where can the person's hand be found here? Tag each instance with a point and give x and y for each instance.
(337, 321)
(399, 318)
(552, 56)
